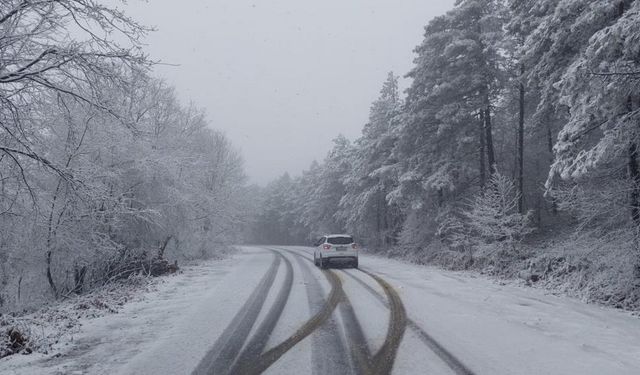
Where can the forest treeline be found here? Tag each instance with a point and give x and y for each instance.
(514, 150)
(102, 170)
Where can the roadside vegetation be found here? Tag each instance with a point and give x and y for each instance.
(105, 177)
(514, 151)
(104, 174)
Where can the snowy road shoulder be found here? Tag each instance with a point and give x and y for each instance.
(114, 341)
(509, 329)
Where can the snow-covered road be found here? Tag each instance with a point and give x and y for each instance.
(269, 310)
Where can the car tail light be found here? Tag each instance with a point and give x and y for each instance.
(354, 246)
(326, 247)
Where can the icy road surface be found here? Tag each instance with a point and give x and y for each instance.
(270, 310)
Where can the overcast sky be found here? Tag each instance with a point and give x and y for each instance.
(282, 78)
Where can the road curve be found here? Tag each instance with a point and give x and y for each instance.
(340, 342)
(269, 310)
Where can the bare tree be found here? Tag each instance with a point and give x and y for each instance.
(58, 46)
(60, 49)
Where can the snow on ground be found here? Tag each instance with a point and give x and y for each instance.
(53, 327)
(99, 345)
(509, 329)
(491, 328)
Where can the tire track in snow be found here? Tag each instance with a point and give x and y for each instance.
(362, 360)
(381, 363)
(275, 353)
(221, 356)
(361, 357)
(447, 357)
(258, 342)
(329, 354)
(357, 343)
(383, 360)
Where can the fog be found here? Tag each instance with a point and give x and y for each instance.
(283, 78)
(147, 225)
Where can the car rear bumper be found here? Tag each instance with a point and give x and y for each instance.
(332, 254)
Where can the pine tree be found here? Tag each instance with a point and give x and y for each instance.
(599, 87)
(456, 81)
(364, 206)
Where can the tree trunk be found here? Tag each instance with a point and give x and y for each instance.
(378, 223)
(51, 236)
(521, 144)
(79, 274)
(54, 289)
(634, 175)
(491, 158)
(53, 227)
(163, 247)
(384, 220)
(20, 288)
(554, 205)
(483, 177)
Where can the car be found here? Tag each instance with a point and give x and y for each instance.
(335, 247)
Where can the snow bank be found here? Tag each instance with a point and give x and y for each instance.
(594, 269)
(95, 332)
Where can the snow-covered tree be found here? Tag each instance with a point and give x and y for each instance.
(325, 193)
(164, 185)
(544, 91)
(448, 129)
(494, 215)
(600, 87)
(364, 205)
(59, 47)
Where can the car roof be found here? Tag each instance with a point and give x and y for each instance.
(337, 235)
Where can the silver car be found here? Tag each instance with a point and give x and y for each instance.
(335, 247)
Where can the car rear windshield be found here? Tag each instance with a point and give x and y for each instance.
(340, 240)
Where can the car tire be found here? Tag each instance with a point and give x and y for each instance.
(354, 264)
(324, 263)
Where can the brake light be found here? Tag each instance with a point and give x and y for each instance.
(326, 247)
(354, 246)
